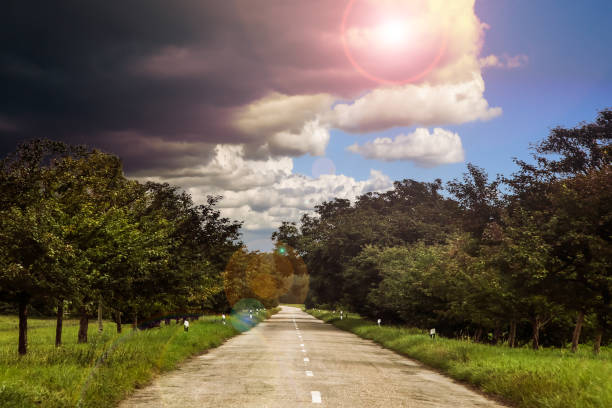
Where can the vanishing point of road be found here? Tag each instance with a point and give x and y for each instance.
(294, 360)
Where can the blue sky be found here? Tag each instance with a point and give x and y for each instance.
(567, 79)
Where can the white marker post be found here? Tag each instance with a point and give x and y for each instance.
(432, 333)
(379, 321)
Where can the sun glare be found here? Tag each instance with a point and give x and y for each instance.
(393, 33)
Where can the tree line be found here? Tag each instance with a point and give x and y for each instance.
(76, 234)
(522, 259)
(268, 277)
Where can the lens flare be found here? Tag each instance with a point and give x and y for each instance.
(280, 276)
(393, 35)
(242, 317)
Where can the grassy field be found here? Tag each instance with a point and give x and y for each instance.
(102, 372)
(549, 378)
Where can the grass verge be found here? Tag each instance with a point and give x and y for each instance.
(548, 378)
(105, 370)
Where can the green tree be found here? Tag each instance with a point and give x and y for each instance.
(36, 261)
(557, 187)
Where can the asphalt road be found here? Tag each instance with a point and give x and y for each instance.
(294, 360)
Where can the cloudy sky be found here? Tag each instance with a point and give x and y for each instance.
(279, 105)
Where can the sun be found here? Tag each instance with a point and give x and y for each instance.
(393, 33)
(394, 47)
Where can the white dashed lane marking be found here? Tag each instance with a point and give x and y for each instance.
(309, 374)
(316, 397)
(306, 359)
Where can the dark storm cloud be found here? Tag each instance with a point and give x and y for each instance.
(65, 67)
(87, 71)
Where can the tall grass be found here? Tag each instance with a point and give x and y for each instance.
(548, 378)
(103, 371)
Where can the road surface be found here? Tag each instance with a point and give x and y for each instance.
(294, 360)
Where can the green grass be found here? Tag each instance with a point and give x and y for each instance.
(101, 372)
(548, 378)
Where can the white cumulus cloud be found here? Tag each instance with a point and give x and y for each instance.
(265, 193)
(285, 125)
(504, 61)
(422, 147)
(265, 207)
(409, 105)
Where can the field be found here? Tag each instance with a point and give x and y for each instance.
(548, 378)
(103, 371)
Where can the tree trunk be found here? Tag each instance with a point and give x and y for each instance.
(118, 318)
(535, 324)
(577, 330)
(478, 335)
(100, 327)
(167, 321)
(496, 334)
(597, 343)
(512, 335)
(83, 325)
(23, 327)
(59, 323)
(135, 325)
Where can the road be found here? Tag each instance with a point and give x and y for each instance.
(294, 360)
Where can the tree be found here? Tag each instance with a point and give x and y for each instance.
(36, 261)
(253, 275)
(479, 199)
(581, 223)
(90, 189)
(556, 191)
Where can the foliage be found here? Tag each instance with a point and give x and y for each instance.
(525, 258)
(74, 229)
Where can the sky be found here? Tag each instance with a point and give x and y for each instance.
(280, 105)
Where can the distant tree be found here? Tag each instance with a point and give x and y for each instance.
(479, 198)
(288, 234)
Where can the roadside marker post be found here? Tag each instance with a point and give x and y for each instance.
(432, 334)
(379, 321)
